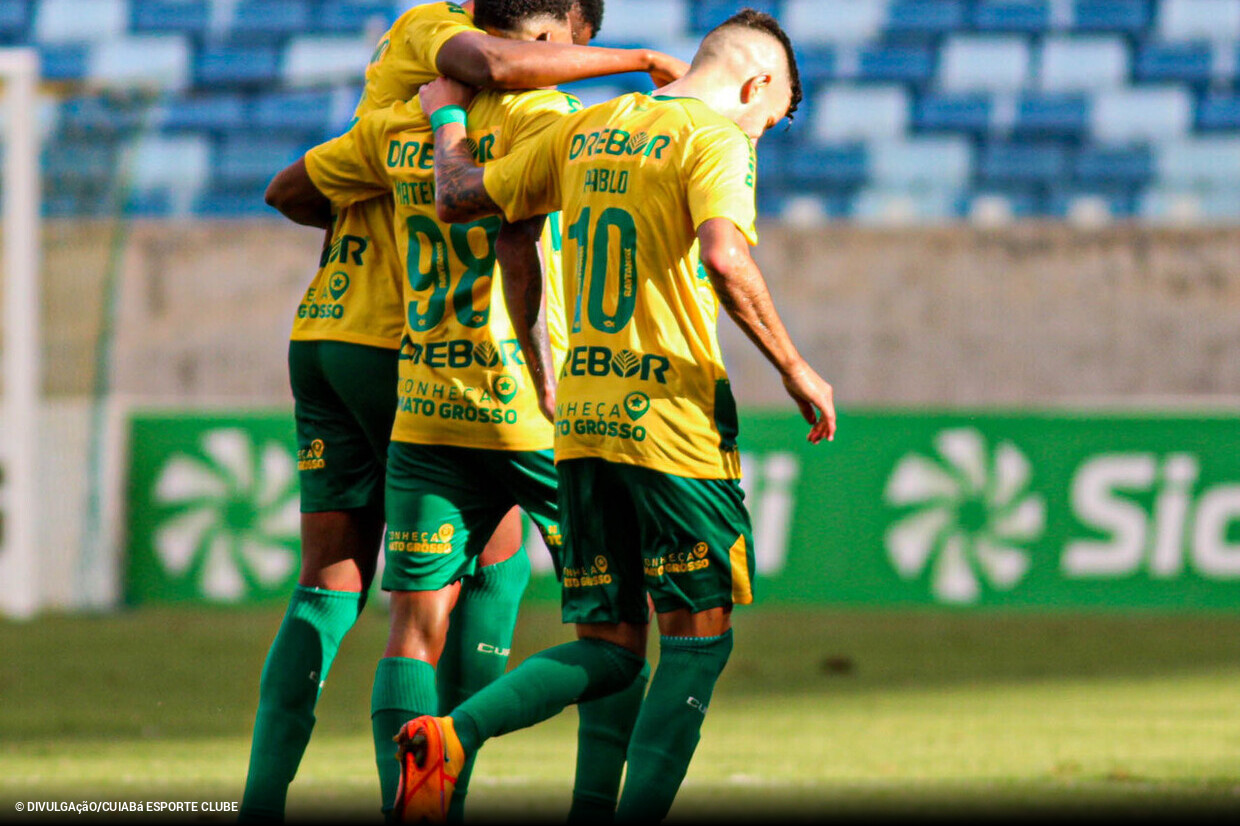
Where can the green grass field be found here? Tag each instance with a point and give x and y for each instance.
(844, 713)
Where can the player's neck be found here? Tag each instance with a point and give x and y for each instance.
(715, 91)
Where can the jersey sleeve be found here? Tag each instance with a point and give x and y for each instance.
(351, 168)
(721, 180)
(526, 182)
(417, 44)
(535, 113)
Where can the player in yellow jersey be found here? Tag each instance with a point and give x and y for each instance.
(389, 151)
(651, 187)
(343, 366)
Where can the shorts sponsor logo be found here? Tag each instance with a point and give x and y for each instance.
(701, 549)
(311, 458)
(680, 562)
(595, 575)
(422, 542)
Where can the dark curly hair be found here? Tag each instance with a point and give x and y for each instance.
(591, 13)
(507, 15)
(760, 21)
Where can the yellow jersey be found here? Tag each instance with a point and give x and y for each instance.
(463, 379)
(356, 294)
(643, 381)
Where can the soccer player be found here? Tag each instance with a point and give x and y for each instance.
(469, 440)
(343, 371)
(645, 421)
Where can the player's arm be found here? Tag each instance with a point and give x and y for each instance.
(480, 59)
(460, 195)
(743, 293)
(297, 198)
(520, 260)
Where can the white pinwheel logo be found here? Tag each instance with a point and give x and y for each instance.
(235, 522)
(970, 515)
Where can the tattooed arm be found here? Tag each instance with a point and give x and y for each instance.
(459, 192)
(520, 260)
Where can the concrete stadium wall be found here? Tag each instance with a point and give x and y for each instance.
(1026, 315)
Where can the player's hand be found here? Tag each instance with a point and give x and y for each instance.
(444, 91)
(816, 399)
(665, 68)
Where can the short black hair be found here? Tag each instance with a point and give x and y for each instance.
(591, 13)
(507, 15)
(763, 22)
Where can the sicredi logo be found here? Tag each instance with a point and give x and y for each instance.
(971, 513)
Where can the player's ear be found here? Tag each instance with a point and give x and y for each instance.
(754, 87)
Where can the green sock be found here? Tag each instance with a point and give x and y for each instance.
(670, 724)
(404, 688)
(603, 731)
(542, 686)
(479, 639)
(293, 675)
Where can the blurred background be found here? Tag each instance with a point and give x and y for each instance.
(1008, 231)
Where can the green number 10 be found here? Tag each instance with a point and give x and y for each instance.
(600, 252)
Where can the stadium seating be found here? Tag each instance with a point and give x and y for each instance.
(914, 110)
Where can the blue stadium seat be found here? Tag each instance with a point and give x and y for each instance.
(1189, 62)
(356, 16)
(1022, 163)
(707, 13)
(1073, 64)
(917, 17)
(268, 20)
(843, 21)
(186, 16)
(1016, 202)
(885, 207)
(1127, 16)
(817, 64)
(80, 21)
(639, 21)
(921, 163)
(1075, 203)
(14, 21)
(228, 65)
(970, 63)
(230, 201)
(179, 163)
(1200, 163)
(1141, 113)
(1219, 112)
(847, 113)
(220, 113)
(315, 60)
(1114, 166)
(147, 60)
(1051, 116)
(906, 63)
(100, 115)
(78, 163)
(953, 113)
(1199, 20)
(156, 203)
(63, 62)
(1012, 15)
(832, 167)
(308, 112)
(250, 160)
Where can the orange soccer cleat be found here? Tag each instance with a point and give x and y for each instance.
(431, 758)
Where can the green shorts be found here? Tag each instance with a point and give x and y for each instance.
(345, 401)
(443, 503)
(631, 530)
